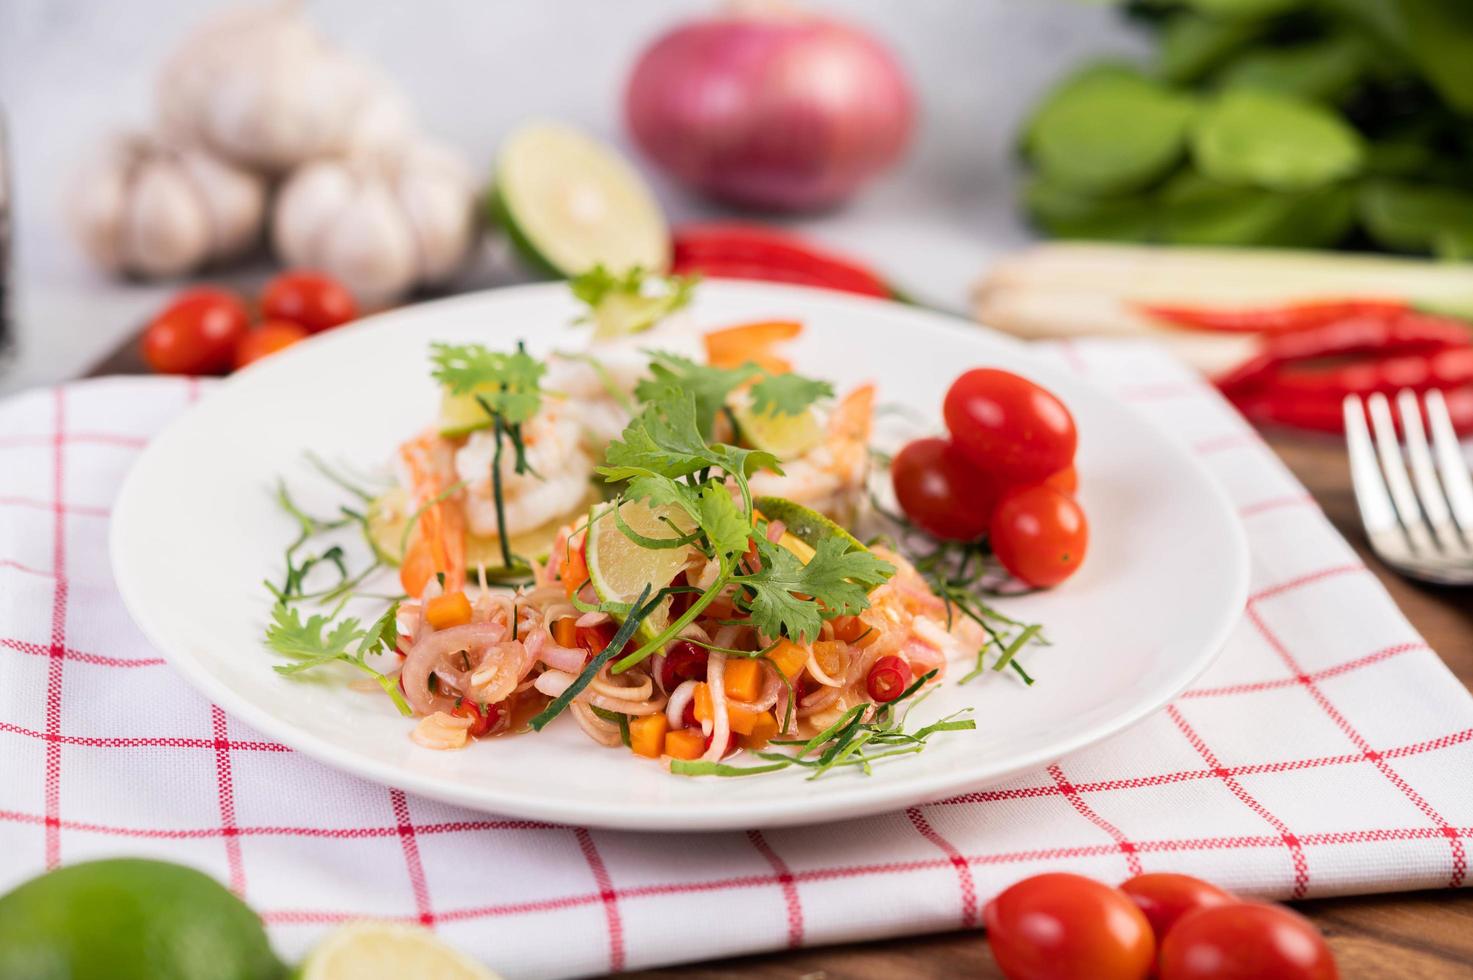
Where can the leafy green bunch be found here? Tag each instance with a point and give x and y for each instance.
(1295, 123)
(664, 460)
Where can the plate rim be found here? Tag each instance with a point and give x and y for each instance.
(866, 798)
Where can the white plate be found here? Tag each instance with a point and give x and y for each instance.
(195, 531)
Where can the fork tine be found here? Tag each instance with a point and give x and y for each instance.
(1403, 497)
(1424, 475)
(1450, 464)
(1376, 512)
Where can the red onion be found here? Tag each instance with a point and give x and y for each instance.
(781, 110)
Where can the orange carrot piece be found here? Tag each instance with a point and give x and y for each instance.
(565, 631)
(702, 701)
(445, 611)
(647, 735)
(789, 658)
(685, 743)
(734, 346)
(743, 679)
(763, 730)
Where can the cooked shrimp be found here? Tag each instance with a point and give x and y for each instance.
(557, 484)
(831, 476)
(437, 544)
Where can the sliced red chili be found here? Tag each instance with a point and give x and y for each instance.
(887, 680)
(484, 717)
(752, 252)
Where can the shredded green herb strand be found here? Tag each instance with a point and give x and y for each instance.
(642, 607)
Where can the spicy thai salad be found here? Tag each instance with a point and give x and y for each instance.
(669, 536)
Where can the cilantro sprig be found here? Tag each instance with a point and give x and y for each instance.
(319, 640)
(508, 387)
(712, 387)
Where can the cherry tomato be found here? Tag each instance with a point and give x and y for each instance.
(267, 339)
(684, 662)
(1009, 427)
(196, 333)
(316, 301)
(1040, 535)
(1064, 481)
(483, 717)
(940, 492)
(887, 679)
(1246, 940)
(1064, 926)
(595, 638)
(1166, 897)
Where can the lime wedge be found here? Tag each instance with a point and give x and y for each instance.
(460, 415)
(387, 951)
(804, 523)
(785, 436)
(620, 569)
(569, 203)
(388, 513)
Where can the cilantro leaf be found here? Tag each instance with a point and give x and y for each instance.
(837, 580)
(726, 527)
(319, 641)
(510, 383)
(624, 304)
(671, 374)
(657, 490)
(787, 394)
(664, 441)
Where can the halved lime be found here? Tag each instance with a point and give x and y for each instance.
(805, 523)
(785, 436)
(620, 569)
(569, 203)
(388, 951)
(387, 514)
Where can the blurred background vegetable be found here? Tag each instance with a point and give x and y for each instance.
(1299, 123)
(771, 106)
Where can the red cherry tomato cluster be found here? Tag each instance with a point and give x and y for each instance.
(207, 330)
(1171, 926)
(1006, 472)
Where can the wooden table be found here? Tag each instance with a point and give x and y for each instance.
(1410, 936)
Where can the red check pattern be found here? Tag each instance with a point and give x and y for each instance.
(1326, 752)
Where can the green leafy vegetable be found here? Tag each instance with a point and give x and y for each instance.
(788, 394)
(630, 303)
(837, 581)
(319, 641)
(509, 382)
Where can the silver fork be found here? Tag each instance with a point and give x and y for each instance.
(1420, 524)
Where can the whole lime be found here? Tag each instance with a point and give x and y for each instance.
(129, 918)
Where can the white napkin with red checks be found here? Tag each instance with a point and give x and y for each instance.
(1327, 752)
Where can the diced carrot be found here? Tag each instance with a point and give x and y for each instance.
(789, 658)
(685, 743)
(743, 679)
(647, 735)
(445, 611)
(848, 628)
(565, 631)
(742, 720)
(763, 729)
(702, 701)
(735, 346)
(826, 653)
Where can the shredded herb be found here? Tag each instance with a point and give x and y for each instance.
(642, 607)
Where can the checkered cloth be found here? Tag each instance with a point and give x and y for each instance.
(1327, 752)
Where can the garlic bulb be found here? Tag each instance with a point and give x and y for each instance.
(381, 223)
(143, 207)
(259, 86)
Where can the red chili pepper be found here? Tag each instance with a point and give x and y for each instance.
(1274, 319)
(1400, 334)
(887, 679)
(1327, 415)
(753, 252)
(483, 717)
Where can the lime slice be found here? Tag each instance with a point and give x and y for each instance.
(804, 523)
(460, 415)
(620, 569)
(785, 436)
(388, 513)
(386, 951)
(131, 919)
(569, 203)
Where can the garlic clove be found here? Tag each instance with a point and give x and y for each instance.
(96, 201)
(234, 201)
(308, 203)
(435, 190)
(369, 246)
(164, 230)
